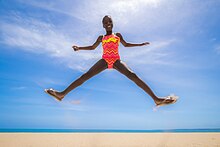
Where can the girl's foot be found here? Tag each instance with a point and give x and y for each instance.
(166, 101)
(57, 95)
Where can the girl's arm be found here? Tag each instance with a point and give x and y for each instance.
(91, 47)
(126, 44)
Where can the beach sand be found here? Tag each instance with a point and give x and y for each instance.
(109, 139)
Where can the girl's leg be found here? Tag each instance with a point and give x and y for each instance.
(122, 68)
(94, 70)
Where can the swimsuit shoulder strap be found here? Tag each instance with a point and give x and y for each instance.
(103, 36)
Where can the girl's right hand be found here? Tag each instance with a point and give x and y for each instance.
(76, 48)
(145, 43)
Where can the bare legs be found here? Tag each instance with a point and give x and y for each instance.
(122, 68)
(94, 70)
(99, 67)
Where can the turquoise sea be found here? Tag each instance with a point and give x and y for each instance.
(104, 131)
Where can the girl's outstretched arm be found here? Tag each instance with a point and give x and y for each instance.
(91, 47)
(126, 44)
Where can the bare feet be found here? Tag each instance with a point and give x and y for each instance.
(166, 101)
(57, 95)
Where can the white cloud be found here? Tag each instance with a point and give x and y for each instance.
(121, 10)
(43, 38)
(19, 88)
(32, 35)
(156, 53)
(145, 13)
(217, 49)
(37, 36)
(76, 102)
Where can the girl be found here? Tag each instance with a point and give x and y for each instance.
(111, 59)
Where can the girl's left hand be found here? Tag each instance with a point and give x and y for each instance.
(76, 48)
(145, 43)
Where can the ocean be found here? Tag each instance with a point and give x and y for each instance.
(105, 131)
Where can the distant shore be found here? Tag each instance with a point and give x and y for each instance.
(109, 139)
(216, 130)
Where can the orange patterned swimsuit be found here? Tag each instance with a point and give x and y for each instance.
(110, 45)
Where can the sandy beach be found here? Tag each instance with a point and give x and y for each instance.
(110, 139)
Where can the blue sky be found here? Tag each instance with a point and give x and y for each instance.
(183, 58)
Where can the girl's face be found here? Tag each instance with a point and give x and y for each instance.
(107, 24)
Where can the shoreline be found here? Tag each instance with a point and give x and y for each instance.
(109, 139)
(216, 130)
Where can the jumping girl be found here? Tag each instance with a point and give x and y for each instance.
(111, 59)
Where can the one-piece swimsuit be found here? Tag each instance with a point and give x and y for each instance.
(110, 45)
